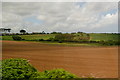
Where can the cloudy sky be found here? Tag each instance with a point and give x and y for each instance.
(60, 16)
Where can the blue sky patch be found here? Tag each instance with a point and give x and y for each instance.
(113, 11)
(33, 20)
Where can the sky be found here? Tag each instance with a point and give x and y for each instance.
(60, 16)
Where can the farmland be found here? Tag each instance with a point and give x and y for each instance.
(50, 40)
(99, 62)
(79, 54)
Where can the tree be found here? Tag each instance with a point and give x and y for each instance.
(22, 31)
(56, 33)
(81, 33)
(43, 32)
(8, 30)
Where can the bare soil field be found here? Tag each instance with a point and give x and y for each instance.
(101, 62)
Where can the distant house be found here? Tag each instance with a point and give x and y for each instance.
(5, 30)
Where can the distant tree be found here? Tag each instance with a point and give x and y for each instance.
(56, 33)
(9, 30)
(81, 33)
(73, 33)
(23, 31)
(43, 32)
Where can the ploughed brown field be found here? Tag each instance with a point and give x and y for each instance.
(101, 62)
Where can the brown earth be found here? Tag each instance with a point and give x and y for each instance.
(101, 62)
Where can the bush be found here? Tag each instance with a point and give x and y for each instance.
(94, 41)
(15, 37)
(56, 73)
(60, 41)
(16, 69)
(41, 39)
(64, 37)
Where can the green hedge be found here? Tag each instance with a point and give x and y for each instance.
(16, 69)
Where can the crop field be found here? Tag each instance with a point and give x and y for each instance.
(99, 62)
(103, 36)
(31, 37)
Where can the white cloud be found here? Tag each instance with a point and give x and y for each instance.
(107, 21)
(60, 16)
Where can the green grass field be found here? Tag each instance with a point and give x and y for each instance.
(31, 37)
(94, 37)
(105, 37)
